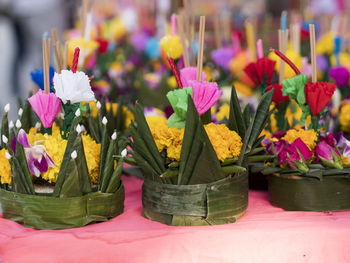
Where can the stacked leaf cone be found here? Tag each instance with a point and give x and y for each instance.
(75, 201)
(199, 189)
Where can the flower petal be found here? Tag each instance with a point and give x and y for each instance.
(23, 139)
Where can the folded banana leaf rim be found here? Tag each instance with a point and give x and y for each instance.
(300, 193)
(220, 202)
(47, 212)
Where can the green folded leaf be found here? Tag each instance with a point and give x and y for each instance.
(206, 117)
(226, 170)
(71, 186)
(170, 173)
(115, 181)
(103, 154)
(5, 129)
(259, 158)
(109, 165)
(256, 150)
(93, 125)
(229, 161)
(18, 181)
(27, 116)
(236, 121)
(246, 115)
(198, 160)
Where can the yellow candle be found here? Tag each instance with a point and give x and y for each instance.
(250, 40)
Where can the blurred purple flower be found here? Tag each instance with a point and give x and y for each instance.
(340, 75)
(322, 63)
(222, 57)
(139, 40)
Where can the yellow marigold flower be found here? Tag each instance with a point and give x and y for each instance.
(268, 134)
(171, 45)
(5, 168)
(226, 143)
(293, 56)
(345, 160)
(242, 88)
(309, 137)
(224, 112)
(325, 44)
(209, 73)
(344, 117)
(172, 82)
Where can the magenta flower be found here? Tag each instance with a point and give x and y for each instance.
(296, 155)
(205, 94)
(37, 157)
(46, 106)
(340, 75)
(328, 155)
(189, 73)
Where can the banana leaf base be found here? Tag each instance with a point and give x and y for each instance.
(221, 202)
(297, 193)
(45, 212)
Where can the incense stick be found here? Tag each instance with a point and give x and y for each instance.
(200, 48)
(84, 10)
(313, 52)
(45, 67)
(217, 32)
(282, 46)
(57, 47)
(182, 39)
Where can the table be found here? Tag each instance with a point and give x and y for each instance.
(264, 234)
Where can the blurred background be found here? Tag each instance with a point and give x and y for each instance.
(23, 22)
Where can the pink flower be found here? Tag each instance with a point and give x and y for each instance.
(46, 106)
(328, 155)
(205, 94)
(295, 155)
(189, 73)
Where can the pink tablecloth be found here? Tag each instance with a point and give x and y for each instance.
(263, 234)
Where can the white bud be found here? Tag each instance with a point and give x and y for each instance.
(37, 125)
(78, 129)
(11, 125)
(114, 136)
(18, 124)
(104, 121)
(20, 112)
(124, 153)
(4, 139)
(7, 155)
(82, 128)
(74, 155)
(77, 113)
(98, 105)
(7, 107)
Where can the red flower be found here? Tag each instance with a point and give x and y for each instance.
(318, 95)
(256, 71)
(277, 96)
(102, 45)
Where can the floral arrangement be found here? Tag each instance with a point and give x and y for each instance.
(66, 162)
(192, 160)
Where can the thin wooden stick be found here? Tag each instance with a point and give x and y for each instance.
(282, 45)
(200, 48)
(49, 52)
(295, 37)
(313, 52)
(57, 47)
(44, 62)
(45, 65)
(180, 26)
(84, 10)
(217, 32)
(65, 55)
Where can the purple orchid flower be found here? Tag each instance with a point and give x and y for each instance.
(328, 155)
(343, 144)
(295, 155)
(37, 157)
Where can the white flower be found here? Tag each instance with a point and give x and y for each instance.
(104, 121)
(74, 87)
(77, 113)
(20, 112)
(37, 125)
(78, 129)
(7, 155)
(124, 153)
(74, 155)
(7, 107)
(18, 124)
(11, 125)
(98, 105)
(114, 136)
(4, 139)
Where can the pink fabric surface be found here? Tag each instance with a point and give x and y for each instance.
(264, 234)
